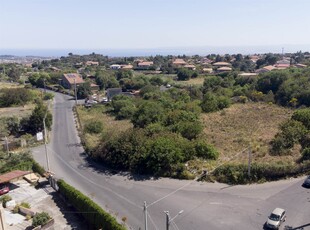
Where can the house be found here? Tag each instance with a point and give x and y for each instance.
(94, 87)
(248, 74)
(54, 69)
(145, 64)
(69, 79)
(207, 70)
(205, 61)
(115, 66)
(224, 69)
(111, 92)
(78, 65)
(301, 66)
(221, 64)
(92, 63)
(191, 67)
(265, 69)
(179, 62)
(126, 66)
(282, 66)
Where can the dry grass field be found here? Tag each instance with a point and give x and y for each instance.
(17, 111)
(242, 125)
(111, 126)
(192, 81)
(9, 85)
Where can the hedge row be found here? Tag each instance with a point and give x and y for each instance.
(260, 172)
(93, 213)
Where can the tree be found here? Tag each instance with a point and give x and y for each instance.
(148, 112)
(163, 154)
(209, 103)
(35, 121)
(303, 116)
(83, 90)
(205, 150)
(184, 74)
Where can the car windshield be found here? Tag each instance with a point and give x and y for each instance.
(2, 186)
(274, 217)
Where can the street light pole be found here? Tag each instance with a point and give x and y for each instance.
(75, 92)
(169, 220)
(145, 215)
(45, 144)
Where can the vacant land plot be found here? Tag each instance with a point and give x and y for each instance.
(21, 111)
(111, 126)
(192, 81)
(244, 125)
(10, 85)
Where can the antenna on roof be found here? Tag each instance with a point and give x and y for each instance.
(282, 52)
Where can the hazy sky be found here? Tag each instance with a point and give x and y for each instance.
(102, 24)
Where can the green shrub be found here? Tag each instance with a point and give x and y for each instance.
(92, 212)
(303, 116)
(238, 173)
(38, 168)
(48, 96)
(25, 205)
(40, 219)
(4, 199)
(205, 151)
(306, 154)
(94, 127)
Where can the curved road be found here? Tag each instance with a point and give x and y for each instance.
(205, 205)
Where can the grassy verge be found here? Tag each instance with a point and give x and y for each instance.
(111, 127)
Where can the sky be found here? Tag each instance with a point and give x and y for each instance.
(153, 24)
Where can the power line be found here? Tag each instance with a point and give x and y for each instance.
(152, 222)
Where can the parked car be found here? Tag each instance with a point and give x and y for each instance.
(307, 182)
(276, 218)
(4, 188)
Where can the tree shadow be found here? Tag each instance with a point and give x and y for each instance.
(101, 168)
(73, 218)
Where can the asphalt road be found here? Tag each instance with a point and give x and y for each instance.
(205, 205)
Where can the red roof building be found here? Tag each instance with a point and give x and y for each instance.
(69, 79)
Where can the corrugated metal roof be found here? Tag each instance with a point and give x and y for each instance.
(12, 175)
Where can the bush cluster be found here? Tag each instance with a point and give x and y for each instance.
(40, 219)
(260, 172)
(92, 212)
(152, 151)
(294, 131)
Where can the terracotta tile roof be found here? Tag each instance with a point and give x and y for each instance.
(126, 66)
(145, 63)
(179, 61)
(269, 67)
(301, 65)
(71, 76)
(221, 64)
(92, 63)
(224, 69)
(12, 175)
(190, 66)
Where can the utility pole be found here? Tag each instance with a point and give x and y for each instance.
(250, 161)
(7, 144)
(167, 220)
(75, 92)
(45, 143)
(44, 86)
(145, 215)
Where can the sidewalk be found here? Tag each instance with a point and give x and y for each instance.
(42, 199)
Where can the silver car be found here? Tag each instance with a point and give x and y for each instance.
(276, 218)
